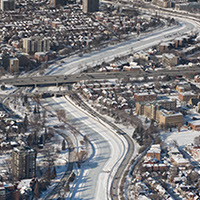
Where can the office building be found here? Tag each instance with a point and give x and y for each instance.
(90, 6)
(57, 3)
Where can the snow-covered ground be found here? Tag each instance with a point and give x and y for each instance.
(8, 90)
(109, 149)
(54, 145)
(183, 138)
(75, 63)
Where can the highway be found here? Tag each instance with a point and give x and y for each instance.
(69, 79)
(75, 64)
(116, 180)
(109, 149)
(98, 178)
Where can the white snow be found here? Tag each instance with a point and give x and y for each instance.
(183, 138)
(108, 152)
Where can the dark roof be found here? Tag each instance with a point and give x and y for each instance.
(194, 102)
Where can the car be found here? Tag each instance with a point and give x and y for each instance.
(80, 54)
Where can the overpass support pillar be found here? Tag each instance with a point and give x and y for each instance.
(57, 84)
(35, 85)
(55, 95)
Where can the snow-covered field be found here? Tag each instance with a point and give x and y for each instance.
(8, 90)
(95, 174)
(183, 138)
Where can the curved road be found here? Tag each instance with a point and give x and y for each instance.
(116, 180)
(74, 64)
(108, 148)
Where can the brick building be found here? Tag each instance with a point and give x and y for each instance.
(140, 97)
(170, 59)
(186, 96)
(150, 109)
(41, 56)
(195, 125)
(154, 152)
(9, 192)
(157, 111)
(170, 118)
(165, 46)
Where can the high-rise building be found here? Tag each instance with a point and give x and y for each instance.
(7, 5)
(56, 3)
(14, 64)
(90, 6)
(23, 162)
(36, 44)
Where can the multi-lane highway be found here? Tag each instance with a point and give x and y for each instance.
(68, 79)
(75, 64)
(109, 149)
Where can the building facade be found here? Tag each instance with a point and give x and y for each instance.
(90, 6)
(186, 96)
(56, 3)
(36, 44)
(195, 125)
(161, 111)
(7, 5)
(140, 97)
(170, 59)
(23, 162)
(9, 191)
(14, 65)
(170, 118)
(154, 152)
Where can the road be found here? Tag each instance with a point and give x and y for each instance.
(116, 181)
(108, 147)
(74, 64)
(69, 79)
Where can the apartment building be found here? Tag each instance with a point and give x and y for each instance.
(23, 162)
(14, 65)
(170, 118)
(143, 108)
(7, 5)
(9, 192)
(186, 96)
(36, 44)
(161, 111)
(56, 3)
(170, 59)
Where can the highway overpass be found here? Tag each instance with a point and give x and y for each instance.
(69, 79)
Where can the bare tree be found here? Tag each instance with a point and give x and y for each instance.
(61, 115)
(82, 155)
